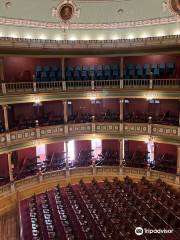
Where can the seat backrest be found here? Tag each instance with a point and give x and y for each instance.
(130, 66)
(46, 68)
(154, 66)
(156, 71)
(170, 65)
(162, 65)
(92, 67)
(146, 66)
(84, 67)
(77, 68)
(38, 69)
(107, 67)
(99, 67)
(138, 66)
(115, 67)
(54, 68)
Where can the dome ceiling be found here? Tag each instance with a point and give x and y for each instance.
(88, 19)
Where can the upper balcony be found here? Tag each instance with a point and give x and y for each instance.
(150, 76)
(122, 88)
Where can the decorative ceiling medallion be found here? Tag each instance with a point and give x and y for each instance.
(173, 6)
(66, 11)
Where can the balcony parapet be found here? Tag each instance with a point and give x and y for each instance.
(18, 43)
(30, 185)
(138, 131)
(88, 85)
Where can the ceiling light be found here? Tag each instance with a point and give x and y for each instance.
(8, 4)
(120, 10)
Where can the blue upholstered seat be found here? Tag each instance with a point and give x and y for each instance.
(107, 72)
(44, 76)
(38, 73)
(154, 66)
(139, 73)
(52, 76)
(115, 71)
(170, 68)
(156, 72)
(92, 71)
(84, 67)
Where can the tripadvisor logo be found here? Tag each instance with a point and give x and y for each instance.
(139, 231)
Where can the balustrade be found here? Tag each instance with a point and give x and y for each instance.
(126, 129)
(38, 87)
(86, 173)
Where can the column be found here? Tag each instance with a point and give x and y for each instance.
(121, 151)
(2, 78)
(122, 67)
(66, 154)
(10, 167)
(65, 110)
(1, 70)
(63, 69)
(178, 160)
(5, 111)
(121, 110)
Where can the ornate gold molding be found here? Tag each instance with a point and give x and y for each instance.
(89, 26)
(15, 140)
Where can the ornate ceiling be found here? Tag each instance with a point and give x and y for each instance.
(89, 19)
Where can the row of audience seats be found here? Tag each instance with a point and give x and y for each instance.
(164, 162)
(84, 158)
(147, 70)
(48, 73)
(53, 73)
(93, 72)
(109, 116)
(31, 166)
(106, 210)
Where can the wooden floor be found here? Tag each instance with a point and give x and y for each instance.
(9, 226)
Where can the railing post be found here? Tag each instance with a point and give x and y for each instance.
(121, 155)
(93, 128)
(94, 168)
(64, 88)
(148, 172)
(65, 111)
(66, 130)
(121, 109)
(121, 83)
(34, 87)
(5, 112)
(11, 172)
(92, 85)
(151, 83)
(178, 161)
(38, 133)
(67, 160)
(3, 85)
(40, 176)
(149, 129)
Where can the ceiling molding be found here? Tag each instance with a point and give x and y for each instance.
(85, 26)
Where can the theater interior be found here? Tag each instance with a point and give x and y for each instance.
(90, 120)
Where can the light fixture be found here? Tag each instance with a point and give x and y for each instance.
(120, 11)
(8, 4)
(37, 102)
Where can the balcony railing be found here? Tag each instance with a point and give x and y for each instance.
(88, 85)
(37, 183)
(17, 139)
